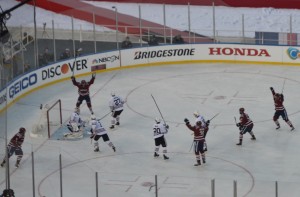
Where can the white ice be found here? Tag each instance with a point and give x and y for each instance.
(179, 90)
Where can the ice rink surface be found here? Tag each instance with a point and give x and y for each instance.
(179, 90)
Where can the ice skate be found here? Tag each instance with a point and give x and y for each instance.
(118, 123)
(239, 144)
(166, 157)
(112, 127)
(198, 163)
(3, 163)
(17, 164)
(253, 138)
(96, 149)
(156, 155)
(203, 160)
(278, 127)
(292, 128)
(114, 148)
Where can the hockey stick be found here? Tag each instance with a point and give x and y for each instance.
(214, 116)
(104, 116)
(191, 146)
(283, 86)
(158, 109)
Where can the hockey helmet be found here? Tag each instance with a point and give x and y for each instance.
(196, 114)
(157, 120)
(93, 117)
(83, 82)
(242, 110)
(22, 130)
(113, 94)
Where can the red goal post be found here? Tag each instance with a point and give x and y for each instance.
(58, 102)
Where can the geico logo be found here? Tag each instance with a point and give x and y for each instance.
(22, 84)
(64, 69)
(2, 99)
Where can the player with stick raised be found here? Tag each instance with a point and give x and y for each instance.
(280, 109)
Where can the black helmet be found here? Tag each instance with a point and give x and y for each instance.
(22, 130)
(242, 110)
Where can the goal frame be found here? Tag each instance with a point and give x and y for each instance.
(60, 115)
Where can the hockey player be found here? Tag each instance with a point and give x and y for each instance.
(15, 147)
(199, 140)
(75, 124)
(83, 91)
(245, 125)
(98, 131)
(280, 110)
(159, 129)
(204, 123)
(116, 106)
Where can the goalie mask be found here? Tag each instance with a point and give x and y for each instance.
(77, 110)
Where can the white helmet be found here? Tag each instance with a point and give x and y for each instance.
(157, 120)
(196, 114)
(77, 110)
(93, 117)
(113, 94)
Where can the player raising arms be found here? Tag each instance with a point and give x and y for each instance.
(83, 91)
(245, 125)
(199, 140)
(280, 109)
(159, 129)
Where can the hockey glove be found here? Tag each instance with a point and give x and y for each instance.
(272, 89)
(238, 125)
(94, 75)
(72, 77)
(167, 126)
(207, 122)
(186, 121)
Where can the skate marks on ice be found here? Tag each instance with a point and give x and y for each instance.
(225, 90)
(195, 180)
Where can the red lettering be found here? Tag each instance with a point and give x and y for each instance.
(239, 52)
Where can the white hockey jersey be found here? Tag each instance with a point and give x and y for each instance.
(116, 103)
(97, 127)
(202, 120)
(75, 118)
(159, 130)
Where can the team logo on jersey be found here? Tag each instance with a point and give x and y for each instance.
(22, 84)
(293, 53)
(238, 51)
(105, 59)
(163, 53)
(64, 69)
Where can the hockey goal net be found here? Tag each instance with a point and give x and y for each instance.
(50, 120)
